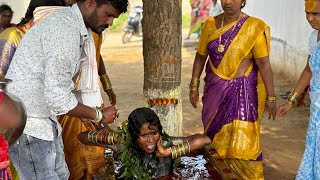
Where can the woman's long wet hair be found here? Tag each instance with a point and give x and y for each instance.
(37, 3)
(136, 119)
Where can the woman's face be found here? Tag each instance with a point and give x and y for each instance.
(5, 18)
(148, 138)
(313, 14)
(231, 6)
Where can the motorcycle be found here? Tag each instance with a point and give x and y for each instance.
(134, 26)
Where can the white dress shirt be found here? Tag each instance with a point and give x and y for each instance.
(43, 69)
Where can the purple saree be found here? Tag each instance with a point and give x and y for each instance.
(233, 107)
(226, 100)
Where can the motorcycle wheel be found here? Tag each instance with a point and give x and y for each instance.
(126, 37)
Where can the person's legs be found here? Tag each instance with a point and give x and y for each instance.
(306, 169)
(61, 165)
(39, 159)
(83, 161)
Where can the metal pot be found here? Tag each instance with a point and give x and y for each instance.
(11, 135)
(3, 84)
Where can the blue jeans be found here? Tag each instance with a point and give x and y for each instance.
(39, 159)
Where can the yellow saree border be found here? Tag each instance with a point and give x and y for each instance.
(234, 168)
(229, 146)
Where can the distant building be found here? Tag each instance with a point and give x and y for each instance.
(290, 32)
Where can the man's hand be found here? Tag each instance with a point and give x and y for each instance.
(110, 114)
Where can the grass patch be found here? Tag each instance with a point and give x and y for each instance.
(186, 18)
(119, 23)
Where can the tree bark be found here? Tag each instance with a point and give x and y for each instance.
(162, 61)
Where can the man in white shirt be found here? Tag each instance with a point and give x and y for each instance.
(43, 71)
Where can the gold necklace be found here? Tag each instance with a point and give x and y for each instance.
(221, 47)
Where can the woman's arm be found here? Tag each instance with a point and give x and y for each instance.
(303, 82)
(97, 138)
(266, 74)
(198, 66)
(190, 144)
(267, 77)
(102, 72)
(304, 79)
(197, 141)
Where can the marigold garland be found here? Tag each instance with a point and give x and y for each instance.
(162, 101)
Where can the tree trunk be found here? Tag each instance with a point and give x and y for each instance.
(162, 61)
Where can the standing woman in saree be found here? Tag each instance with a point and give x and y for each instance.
(310, 163)
(238, 86)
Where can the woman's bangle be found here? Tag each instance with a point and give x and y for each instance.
(92, 136)
(194, 89)
(195, 80)
(272, 99)
(110, 139)
(194, 84)
(180, 150)
(294, 98)
(89, 136)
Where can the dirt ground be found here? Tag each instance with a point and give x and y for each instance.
(282, 140)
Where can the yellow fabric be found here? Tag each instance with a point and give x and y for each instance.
(260, 48)
(239, 141)
(243, 44)
(97, 42)
(236, 168)
(247, 170)
(207, 29)
(14, 172)
(12, 35)
(310, 5)
(83, 161)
